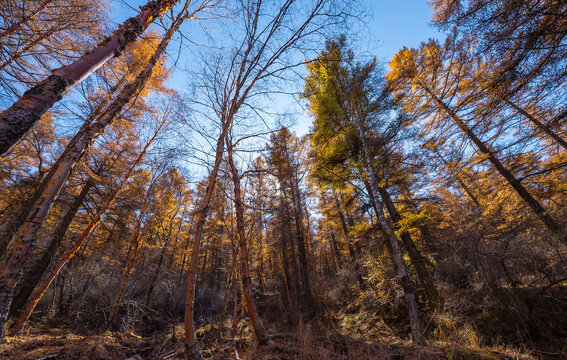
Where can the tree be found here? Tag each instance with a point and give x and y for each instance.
(270, 32)
(27, 236)
(26, 312)
(242, 244)
(346, 106)
(285, 158)
(418, 73)
(23, 114)
(527, 39)
(522, 43)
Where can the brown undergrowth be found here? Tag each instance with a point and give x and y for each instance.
(308, 341)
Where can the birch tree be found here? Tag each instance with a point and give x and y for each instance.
(27, 236)
(270, 35)
(16, 120)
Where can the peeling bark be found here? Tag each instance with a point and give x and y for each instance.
(24, 113)
(27, 237)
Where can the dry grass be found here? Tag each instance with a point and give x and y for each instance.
(307, 342)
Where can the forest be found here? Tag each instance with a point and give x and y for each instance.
(159, 201)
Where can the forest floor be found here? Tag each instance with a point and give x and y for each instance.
(357, 332)
(305, 343)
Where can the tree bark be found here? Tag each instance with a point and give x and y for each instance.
(24, 113)
(27, 237)
(336, 252)
(400, 265)
(415, 256)
(300, 236)
(349, 241)
(288, 235)
(31, 203)
(34, 275)
(247, 294)
(200, 217)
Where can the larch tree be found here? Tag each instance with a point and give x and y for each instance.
(419, 74)
(527, 38)
(285, 152)
(522, 45)
(78, 242)
(347, 106)
(26, 238)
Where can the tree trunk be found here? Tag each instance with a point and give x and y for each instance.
(536, 207)
(428, 239)
(400, 265)
(30, 205)
(130, 261)
(415, 256)
(34, 275)
(76, 245)
(200, 217)
(247, 293)
(41, 188)
(349, 241)
(294, 316)
(335, 251)
(176, 237)
(287, 233)
(27, 237)
(22, 115)
(156, 273)
(301, 249)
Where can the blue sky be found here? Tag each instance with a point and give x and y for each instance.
(398, 23)
(390, 25)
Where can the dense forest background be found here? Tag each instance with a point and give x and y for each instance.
(155, 202)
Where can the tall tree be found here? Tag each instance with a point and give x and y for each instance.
(419, 74)
(70, 253)
(347, 106)
(269, 33)
(27, 236)
(285, 158)
(23, 114)
(247, 293)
